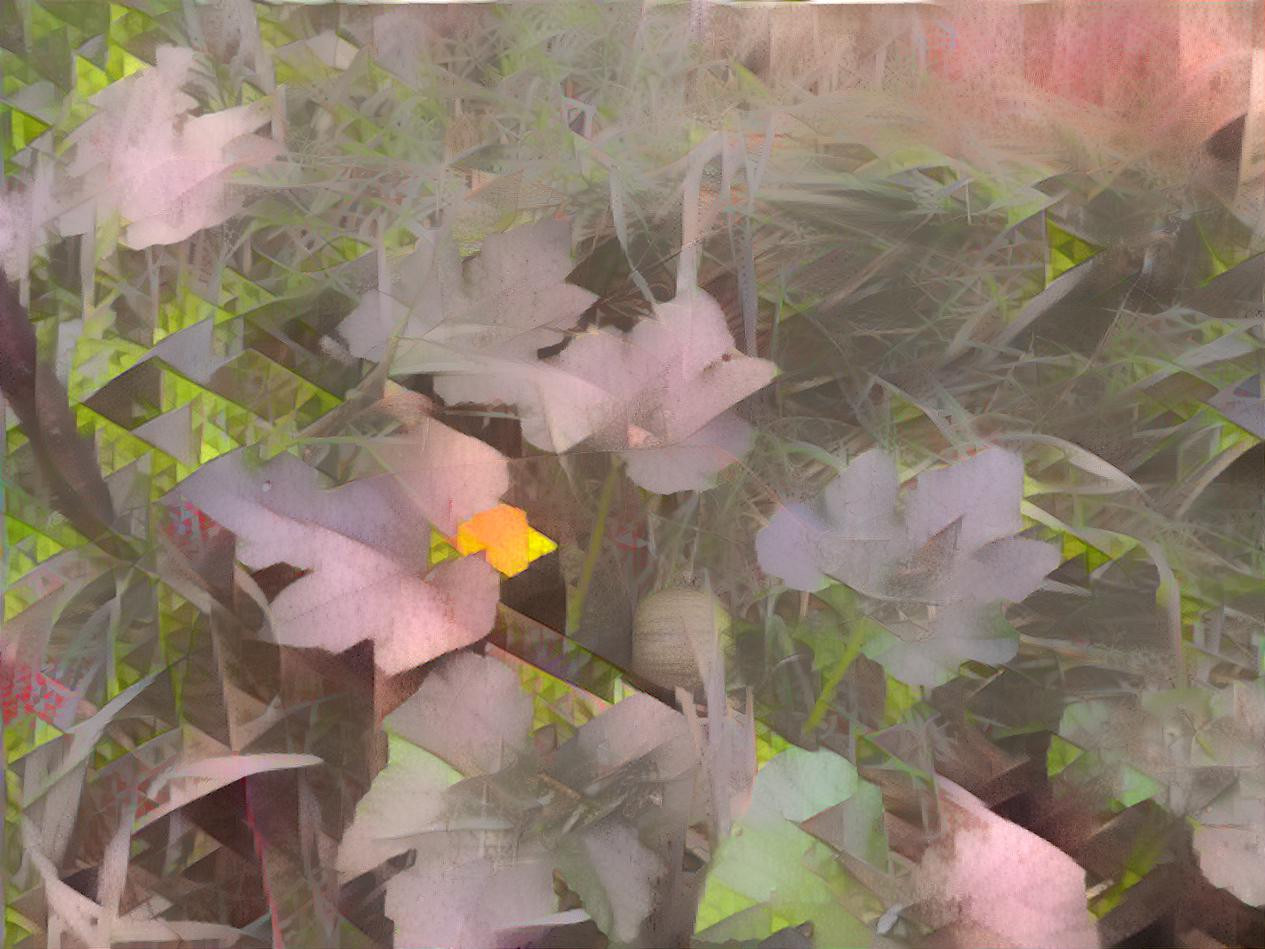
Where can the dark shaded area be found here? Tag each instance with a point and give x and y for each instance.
(275, 578)
(538, 592)
(1226, 143)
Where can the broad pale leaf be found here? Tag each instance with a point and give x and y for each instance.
(166, 171)
(365, 546)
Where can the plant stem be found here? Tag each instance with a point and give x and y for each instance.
(575, 607)
(856, 639)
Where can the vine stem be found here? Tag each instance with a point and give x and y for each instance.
(856, 639)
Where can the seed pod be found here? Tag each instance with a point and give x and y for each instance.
(671, 629)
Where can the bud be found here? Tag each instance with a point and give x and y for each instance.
(674, 631)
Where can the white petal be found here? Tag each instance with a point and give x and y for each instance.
(861, 502)
(693, 463)
(471, 711)
(787, 546)
(985, 491)
(1008, 569)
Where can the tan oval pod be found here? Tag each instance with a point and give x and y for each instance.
(671, 628)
